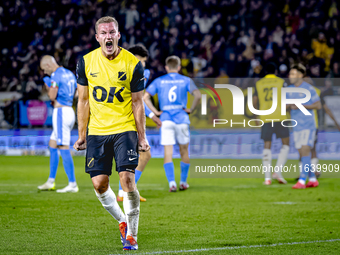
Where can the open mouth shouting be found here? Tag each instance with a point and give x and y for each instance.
(109, 45)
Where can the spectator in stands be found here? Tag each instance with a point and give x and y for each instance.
(205, 22)
(13, 85)
(322, 49)
(335, 72)
(283, 71)
(186, 65)
(131, 16)
(4, 83)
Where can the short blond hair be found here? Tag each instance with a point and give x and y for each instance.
(106, 19)
(300, 68)
(173, 62)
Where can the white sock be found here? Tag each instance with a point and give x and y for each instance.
(108, 200)
(51, 180)
(172, 183)
(302, 181)
(313, 179)
(315, 162)
(131, 207)
(282, 159)
(72, 184)
(120, 193)
(266, 162)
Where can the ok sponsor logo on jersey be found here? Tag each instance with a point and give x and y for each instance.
(100, 94)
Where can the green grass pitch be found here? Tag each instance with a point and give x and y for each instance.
(212, 213)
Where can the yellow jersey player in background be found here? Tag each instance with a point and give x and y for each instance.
(263, 100)
(110, 109)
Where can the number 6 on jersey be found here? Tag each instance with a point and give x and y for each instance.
(172, 94)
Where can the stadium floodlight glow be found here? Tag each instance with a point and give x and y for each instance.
(238, 100)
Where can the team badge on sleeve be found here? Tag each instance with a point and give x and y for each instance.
(54, 84)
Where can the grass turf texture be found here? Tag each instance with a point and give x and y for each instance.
(212, 213)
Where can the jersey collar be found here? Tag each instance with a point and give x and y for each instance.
(115, 59)
(270, 76)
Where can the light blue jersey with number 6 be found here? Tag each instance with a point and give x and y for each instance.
(172, 90)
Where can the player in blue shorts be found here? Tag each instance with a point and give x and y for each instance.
(144, 156)
(304, 131)
(61, 87)
(172, 90)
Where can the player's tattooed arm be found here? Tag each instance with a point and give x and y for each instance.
(139, 114)
(83, 116)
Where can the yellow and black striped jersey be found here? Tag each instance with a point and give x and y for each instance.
(264, 91)
(110, 84)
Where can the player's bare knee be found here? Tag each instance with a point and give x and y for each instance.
(305, 151)
(127, 181)
(52, 144)
(267, 144)
(184, 154)
(285, 141)
(63, 147)
(100, 186)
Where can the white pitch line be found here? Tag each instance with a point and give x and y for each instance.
(285, 203)
(16, 184)
(16, 191)
(235, 247)
(31, 184)
(245, 187)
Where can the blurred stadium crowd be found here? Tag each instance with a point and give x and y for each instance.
(224, 39)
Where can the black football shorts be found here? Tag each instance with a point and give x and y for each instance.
(267, 131)
(101, 149)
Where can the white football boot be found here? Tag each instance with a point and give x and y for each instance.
(68, 188)
(47, 186)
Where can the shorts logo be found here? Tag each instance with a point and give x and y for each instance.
(130, 159)
(122, 76)
(132, 153)
(90, 162)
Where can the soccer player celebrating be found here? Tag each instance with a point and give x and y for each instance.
(304, 131)
(110, 110)
(61, 86)
(142, 54)
(263, 100)
(315, 160)
(172, 90)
